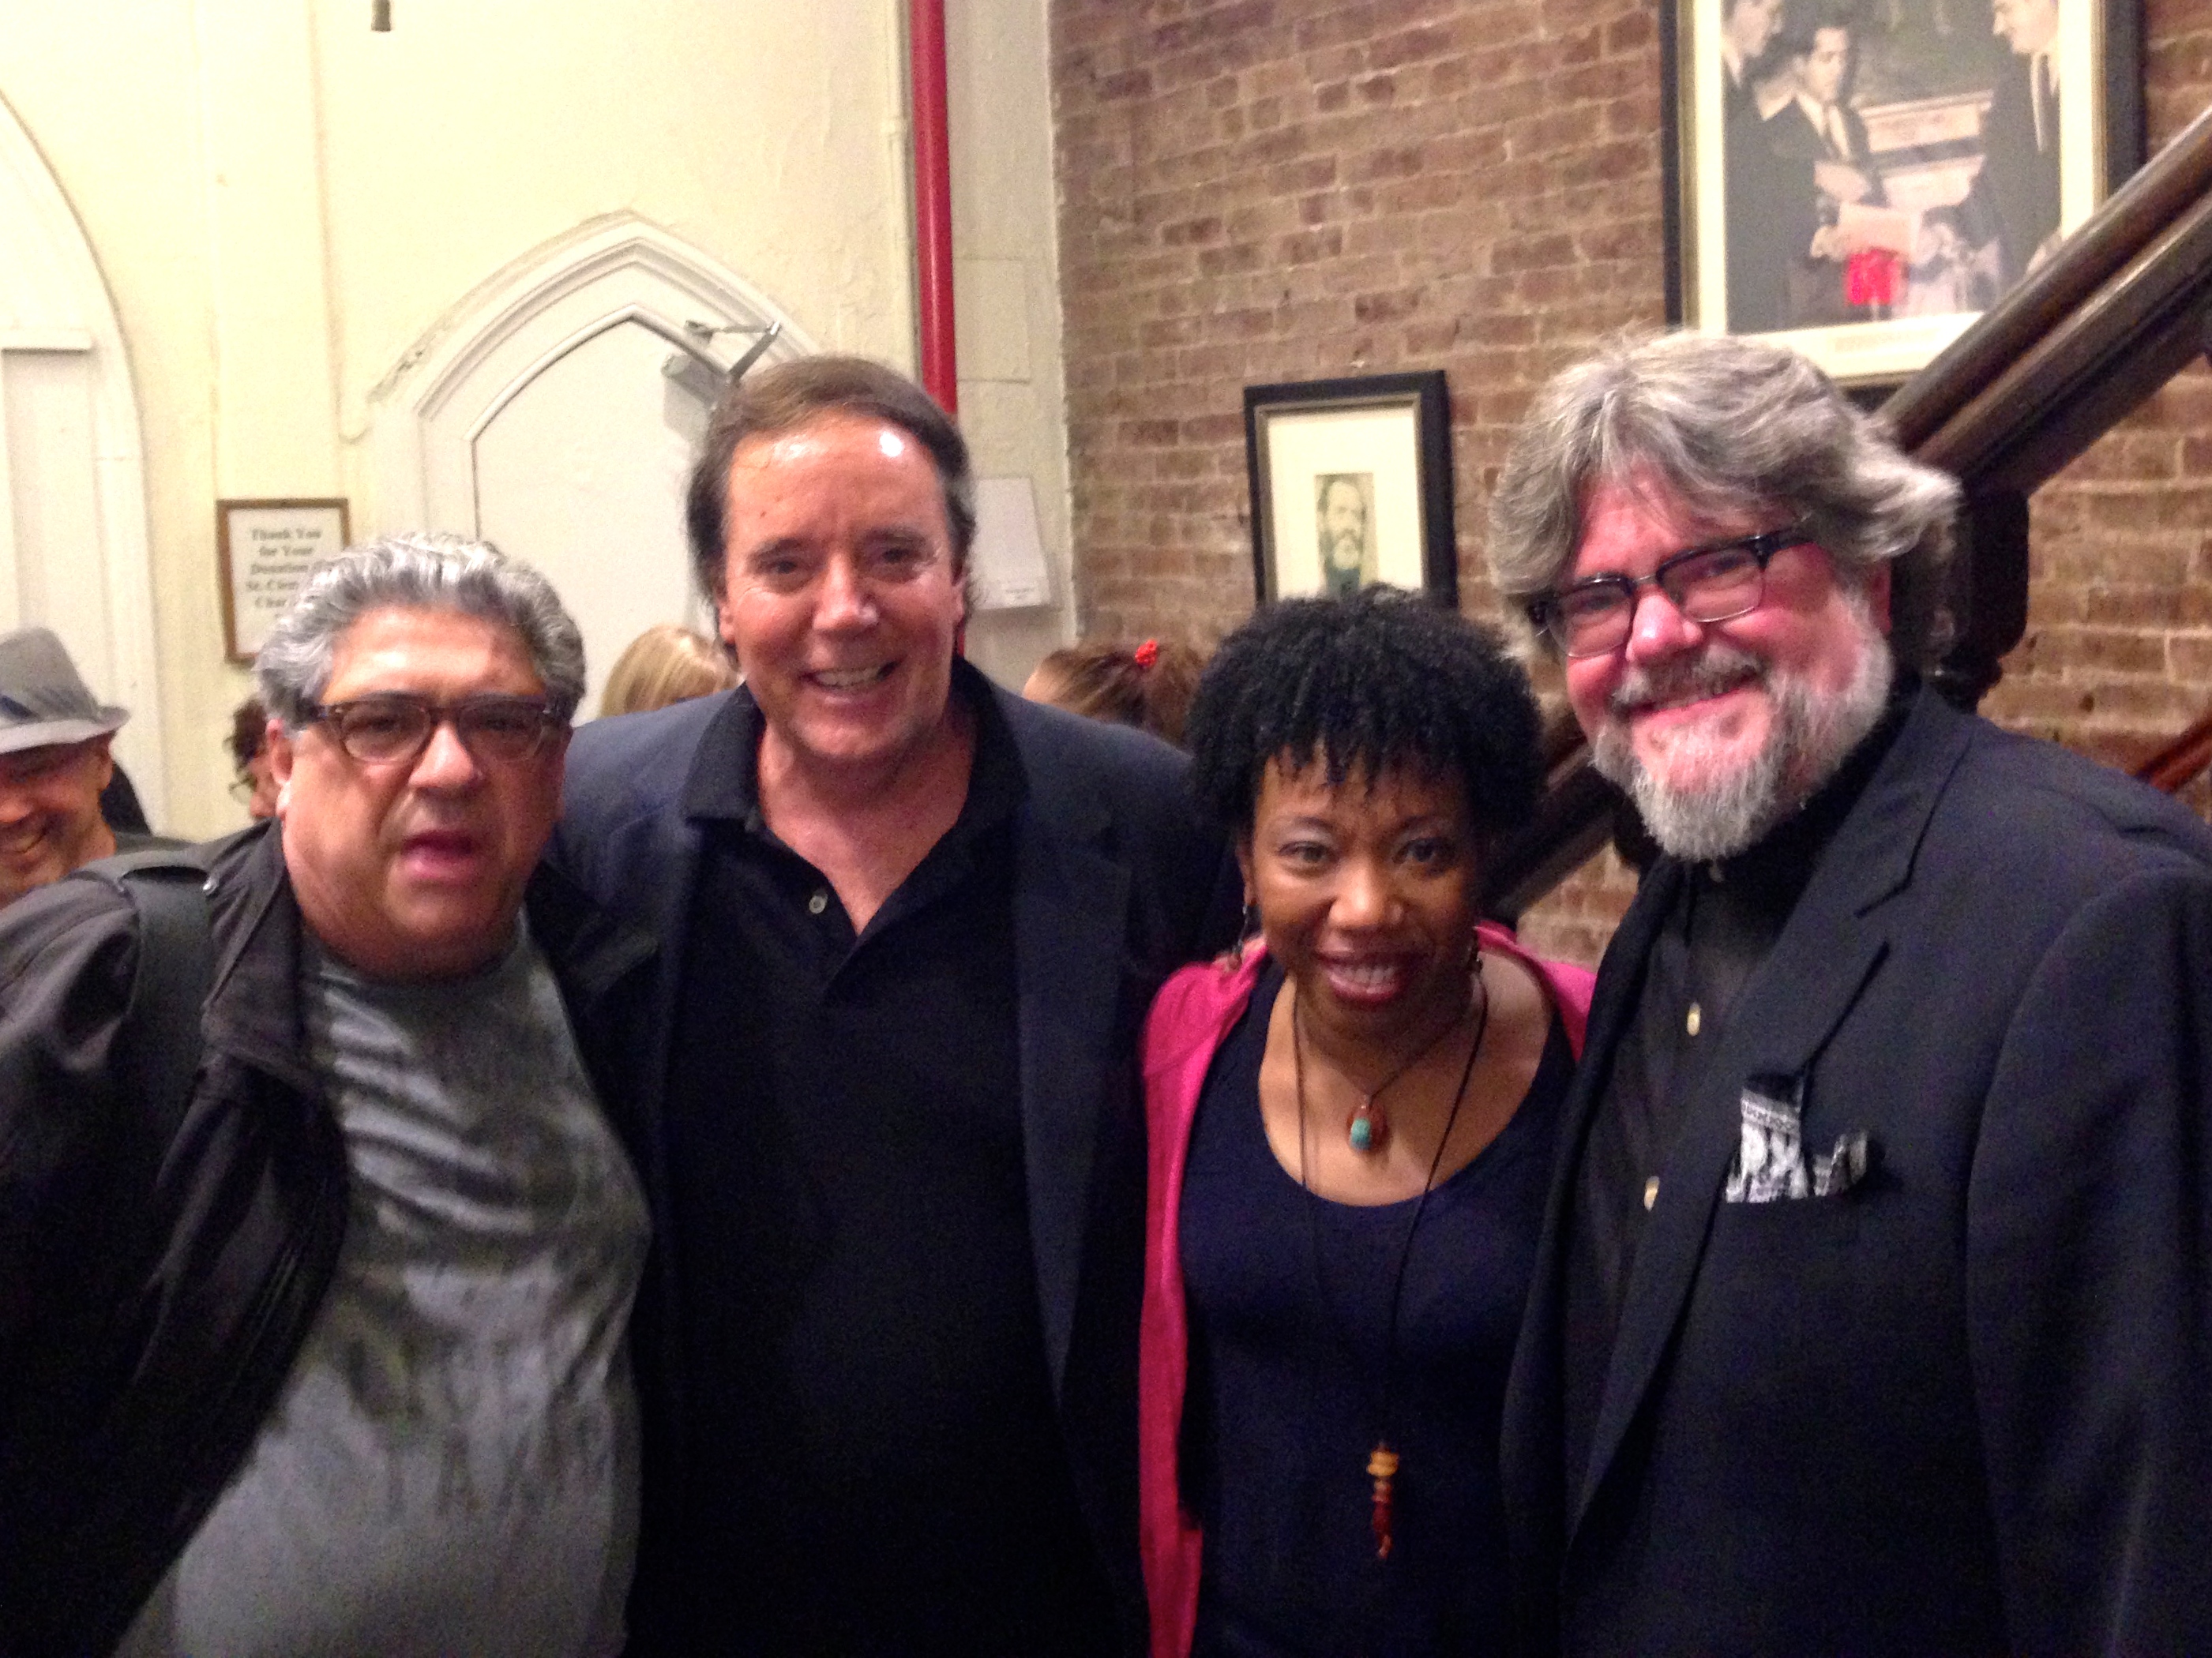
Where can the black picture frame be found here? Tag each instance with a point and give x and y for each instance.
(1311, 447)
(1910, 91)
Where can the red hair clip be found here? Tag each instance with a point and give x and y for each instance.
(1146, 653)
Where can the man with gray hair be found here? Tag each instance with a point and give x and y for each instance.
(325, 1354)
(1874, 1310)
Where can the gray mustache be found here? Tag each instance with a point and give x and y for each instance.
(1717, 668)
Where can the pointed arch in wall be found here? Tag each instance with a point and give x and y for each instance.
(72, 459)
(438, 402)
(556, 412)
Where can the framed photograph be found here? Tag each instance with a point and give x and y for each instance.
(1862, 178)
(266, 548)
(1352, 485)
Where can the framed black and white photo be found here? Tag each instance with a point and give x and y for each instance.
(1352, 485)
(266, 548)
(1862, 178)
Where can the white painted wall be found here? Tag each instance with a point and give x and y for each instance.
(557, 412)
(289, 210)
(1013, 399)
(288, 207)
(603, 438)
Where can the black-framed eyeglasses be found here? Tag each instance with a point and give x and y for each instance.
(1594, 617)
(392, 726)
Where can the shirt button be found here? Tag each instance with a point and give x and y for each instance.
(1695, 1018)
(817, 903)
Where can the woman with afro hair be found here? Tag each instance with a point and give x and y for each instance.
(1351, 1126)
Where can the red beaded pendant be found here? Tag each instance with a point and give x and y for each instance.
(1382, 1468)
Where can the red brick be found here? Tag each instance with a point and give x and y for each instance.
(1129, 83)
(1387, 307)
(2190, 657)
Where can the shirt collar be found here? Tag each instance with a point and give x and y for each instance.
(1816, 111)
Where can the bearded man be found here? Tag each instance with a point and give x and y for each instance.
(1874, 1310)
(1344, 562)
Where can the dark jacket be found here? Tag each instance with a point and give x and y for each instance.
(1116, 883)
(157, 1277)
(1964, 1406)
(2015, 196)
(1812, 289)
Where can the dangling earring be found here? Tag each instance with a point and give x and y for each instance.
(1235, 958)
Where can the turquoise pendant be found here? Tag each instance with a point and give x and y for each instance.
(1367, 1129)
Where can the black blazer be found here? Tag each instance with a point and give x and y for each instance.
(1812, 290)
(1117, 884)
(1967, 1405)
(1773, 207)
(2015, 196)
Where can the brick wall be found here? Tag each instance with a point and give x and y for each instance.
(1280, 189)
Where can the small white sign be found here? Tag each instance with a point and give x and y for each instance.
(1008, 556)
(267, 547)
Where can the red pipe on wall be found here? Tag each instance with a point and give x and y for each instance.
(933, 201)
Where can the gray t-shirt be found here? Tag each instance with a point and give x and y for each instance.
(451, 1466)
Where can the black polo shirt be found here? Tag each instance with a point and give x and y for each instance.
(1721, 926)
(874, 1464)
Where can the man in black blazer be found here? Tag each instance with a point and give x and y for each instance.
(1751, 180)
(1874, 1312)
(2015, 196)
(1798, 167)
(1747, 26)
(892, 1134)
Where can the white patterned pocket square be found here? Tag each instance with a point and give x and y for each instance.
(1770, 1165)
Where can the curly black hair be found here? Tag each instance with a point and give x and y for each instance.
(1378, 681)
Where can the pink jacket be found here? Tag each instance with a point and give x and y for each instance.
(1192, 1015)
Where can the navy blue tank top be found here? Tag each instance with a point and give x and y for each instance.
(1288, 1342)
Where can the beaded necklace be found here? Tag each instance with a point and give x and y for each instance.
(1382, 1462)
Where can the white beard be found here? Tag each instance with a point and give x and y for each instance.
(1809, 738)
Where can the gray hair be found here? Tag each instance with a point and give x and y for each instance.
(418, 571)
(1725, 425)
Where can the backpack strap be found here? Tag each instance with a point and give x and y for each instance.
(89, 1525)
(158, 1043)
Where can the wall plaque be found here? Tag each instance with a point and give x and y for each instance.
(267, 547)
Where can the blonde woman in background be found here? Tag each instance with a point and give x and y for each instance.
(665, 664)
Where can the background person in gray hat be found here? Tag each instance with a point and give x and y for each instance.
(54, 739)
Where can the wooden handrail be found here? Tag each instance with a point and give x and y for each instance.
(2047, 371)
(2181, 762)
(1573, 820)
(2039, 377)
